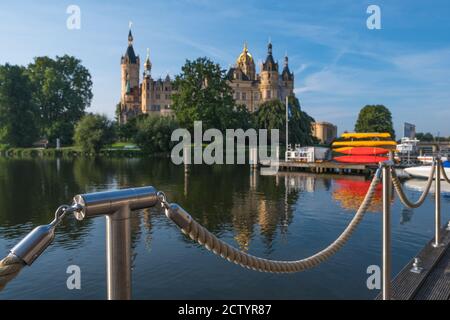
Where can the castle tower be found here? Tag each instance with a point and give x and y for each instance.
(269, 77)
(130, 95)
(246, 63)
(146, 88)
(287, 80)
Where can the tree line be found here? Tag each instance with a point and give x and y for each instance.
(49, 97)
(43, 100)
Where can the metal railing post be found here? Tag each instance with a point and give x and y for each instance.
(386, 232)
(437, 204)
(118, 254)
(116, 205)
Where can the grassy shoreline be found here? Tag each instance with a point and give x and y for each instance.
(71, 152)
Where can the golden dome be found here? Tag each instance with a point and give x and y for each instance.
(245, 56)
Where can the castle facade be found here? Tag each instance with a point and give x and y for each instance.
(154, 96)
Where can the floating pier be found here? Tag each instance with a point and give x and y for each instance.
(427, 276)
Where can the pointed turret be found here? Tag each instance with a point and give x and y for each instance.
(147, 65)
(286, 74)
(270, 64)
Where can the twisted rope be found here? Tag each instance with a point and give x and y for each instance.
(10, 267)
(200, 234)
(444, 174)
(401, 194)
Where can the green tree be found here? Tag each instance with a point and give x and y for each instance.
(17, 112)
(424, 136)
(128, 130)
(62, 90)
(272, 115)
(93, 132)
(154, 132)
(203, 95)
(375, 118)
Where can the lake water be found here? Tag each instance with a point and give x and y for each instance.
(284, 217)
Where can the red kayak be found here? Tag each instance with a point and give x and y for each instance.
(361, 159)
(362, 151)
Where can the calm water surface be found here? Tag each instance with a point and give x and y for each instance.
(286, 217)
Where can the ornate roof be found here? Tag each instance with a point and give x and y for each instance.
(245, 57)
(270, 64)
(129, 54)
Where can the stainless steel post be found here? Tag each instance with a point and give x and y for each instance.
(437, 203)
(386, 233)
(118, 254)
(117, 206)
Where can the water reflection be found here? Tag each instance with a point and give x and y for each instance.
(270, 216)
(349, 192)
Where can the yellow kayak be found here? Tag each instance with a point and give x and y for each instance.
(365, 135)
(366, 143)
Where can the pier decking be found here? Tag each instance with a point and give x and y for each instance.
(433, 282)
(325, 167)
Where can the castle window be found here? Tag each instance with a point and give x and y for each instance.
(268, 94)
(244, 96)
(158, 96)
(256, 96)
(167, 96)
(238, 95)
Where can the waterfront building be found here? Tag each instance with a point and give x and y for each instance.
(325, 132)
(155, 95)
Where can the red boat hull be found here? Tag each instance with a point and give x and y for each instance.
(360, 159)
(362, 151)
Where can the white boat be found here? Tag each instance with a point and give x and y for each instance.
(420, 184)
(429, 159)
(424, 171)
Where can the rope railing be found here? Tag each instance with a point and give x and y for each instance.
(10, 267)
(401, 194)
(444, 174)
(204, 237)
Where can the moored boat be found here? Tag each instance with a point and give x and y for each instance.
(424, 171)
(387, 144)
(361, 159)
(362, 150)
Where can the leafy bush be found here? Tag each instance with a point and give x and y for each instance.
(93, 132)
(154, 132)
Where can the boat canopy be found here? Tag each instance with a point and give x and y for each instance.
(365, 135)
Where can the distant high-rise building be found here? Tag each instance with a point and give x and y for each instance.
(409, 130)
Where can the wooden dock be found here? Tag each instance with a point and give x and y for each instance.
(324, 167)
(433, 282)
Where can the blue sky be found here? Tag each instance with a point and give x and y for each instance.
(339, 64)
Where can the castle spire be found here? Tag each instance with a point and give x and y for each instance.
(286, 60)
(147, 64)
(130, 35)
(269, 47)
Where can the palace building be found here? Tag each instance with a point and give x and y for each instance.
(154, 96)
